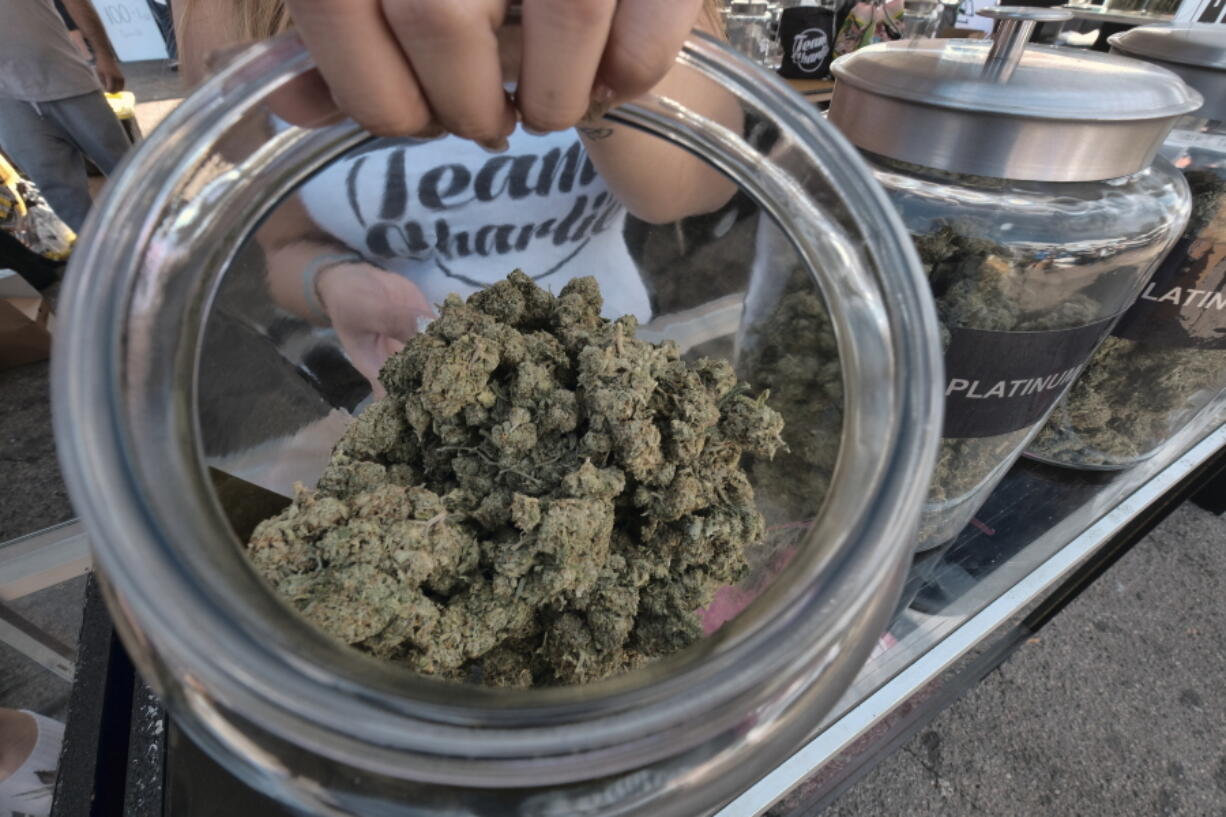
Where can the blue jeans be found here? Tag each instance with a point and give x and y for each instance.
(48, 141)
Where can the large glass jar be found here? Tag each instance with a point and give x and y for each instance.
(189, 401)
(1162, 7)
(1165, 360)
(1038, 211)
(1125, 5)
(752, 27)
(921, 18)
(1028, 277)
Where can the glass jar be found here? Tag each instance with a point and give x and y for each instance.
(921, 18)
(1165, 360)
(1162, 8)
(188, 401)
(1028, 278)
(1025, 175)
(752, 28)
(1125, 5)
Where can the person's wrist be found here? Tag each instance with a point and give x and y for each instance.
(325, 283)
(328, 274)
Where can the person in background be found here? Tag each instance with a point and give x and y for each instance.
(29, 757)
(74, 33)
(163, 16)
(531, 180)
(52, 111)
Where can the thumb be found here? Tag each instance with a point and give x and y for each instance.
(364, 353)
(396, 313)
(389, 346)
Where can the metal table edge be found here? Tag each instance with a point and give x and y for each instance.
(929, 666)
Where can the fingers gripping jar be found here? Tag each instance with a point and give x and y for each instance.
(1165, 360)
(1026, 176)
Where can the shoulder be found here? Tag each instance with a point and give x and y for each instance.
(203, 27)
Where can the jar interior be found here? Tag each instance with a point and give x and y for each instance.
(177, 381)
(1009, 261)
(275, 392)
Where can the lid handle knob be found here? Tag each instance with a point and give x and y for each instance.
(1014, 24)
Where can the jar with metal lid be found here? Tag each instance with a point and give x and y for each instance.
(1165, 360)
(1026, 175)
(188, 403)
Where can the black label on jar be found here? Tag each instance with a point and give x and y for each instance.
(807, 36)
(998, 382)
(1184, 304)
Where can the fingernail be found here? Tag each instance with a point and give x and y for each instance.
(602, 100)
(495, 145)
(602, 94)
(529, 129)
(596, 111)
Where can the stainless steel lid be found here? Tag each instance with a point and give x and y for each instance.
(1005, 109)
(1196, 52)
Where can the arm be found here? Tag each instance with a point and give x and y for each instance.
(372, 310)
(402, 66)
(202, 28)
(105, 61)
(291, 242)
(659, 182)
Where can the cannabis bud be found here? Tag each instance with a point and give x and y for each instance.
(541, 498)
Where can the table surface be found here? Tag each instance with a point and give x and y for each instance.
(812, 86)
(1137, 18)
(1040, 525)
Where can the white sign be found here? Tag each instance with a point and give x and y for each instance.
(969, 18)
(132, 29)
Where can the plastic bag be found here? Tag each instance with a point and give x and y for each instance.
(25, 214)
(874, 21)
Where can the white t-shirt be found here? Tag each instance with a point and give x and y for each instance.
(453, 218)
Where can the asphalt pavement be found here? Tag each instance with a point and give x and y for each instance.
(1118, 707)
